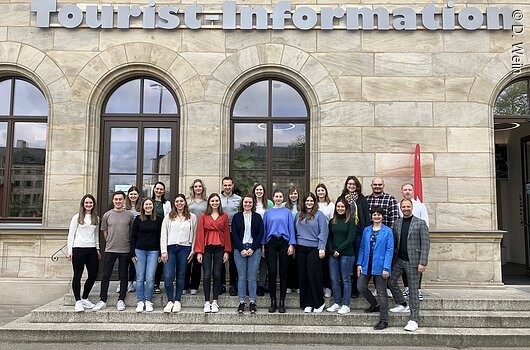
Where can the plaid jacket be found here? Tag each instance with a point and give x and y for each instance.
(389, 205)
(418, 243)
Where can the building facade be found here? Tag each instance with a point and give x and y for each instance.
(94, 98)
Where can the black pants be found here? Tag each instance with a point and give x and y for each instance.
(159, 273)
(82, 257)
(310, 276)
(132, 272)
(406, 280)
(232, 269)
(193, 275)
(276, 250)
(326, 279)
(292, 272)
(212, 259)
(108, 266)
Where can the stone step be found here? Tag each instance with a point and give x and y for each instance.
(292, 301)
(22, 330)
(56, 313)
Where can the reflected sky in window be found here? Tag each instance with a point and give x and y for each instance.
(125, 99)
(245, 134)
(28, 100)
(30, 135)
(288, 134)
(286, 101)
(253, 101)
(5, 94)
(156, 140)
(3, 134)
(123, 150)
(158, 99)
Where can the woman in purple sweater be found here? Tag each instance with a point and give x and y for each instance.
(277, 244)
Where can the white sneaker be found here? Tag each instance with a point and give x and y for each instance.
(411, 326)
(400, 309)
(87, 304)
(130, 287)
(296, 290)
(177, 306)
(140, 306)
(207, 307)
(333, 308)
(327, 293)
(289, 291)
(169, 307)
(308, 309)
(120, 305)
(389, 293)
(193, 291)
(118, 287)
(149, 306)
(78, 307)
(420, 296)
(344, 310)
(184, 292)
(320, 309)
(215, 307)
(406, 292)
(100, 305)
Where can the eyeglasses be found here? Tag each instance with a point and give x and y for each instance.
(377, 185)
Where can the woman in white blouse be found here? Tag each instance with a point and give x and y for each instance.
(176, 241)
(83, 250)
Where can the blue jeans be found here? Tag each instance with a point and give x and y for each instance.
(247, 272)
(146, 262)
(341, 266)
(177, 261)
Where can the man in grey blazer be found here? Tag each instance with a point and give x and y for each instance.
(411, 246)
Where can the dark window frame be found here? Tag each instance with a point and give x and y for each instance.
(11, 119)
(270, 121)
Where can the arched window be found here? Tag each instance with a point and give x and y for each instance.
(23, 125)
(512, 105)
(269, 128)
(140, 123)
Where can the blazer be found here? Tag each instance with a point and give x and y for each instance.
(418, 244)
(383, 251)
(238, 230)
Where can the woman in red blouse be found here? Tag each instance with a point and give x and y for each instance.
(212, 245)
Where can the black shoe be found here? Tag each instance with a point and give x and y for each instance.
(273, 307)
(241, 308)
(261, 291)
(253, 309)
(282, 306)
(157, 290)
(232, 291)
(355, 295)
(381, 325)
(223, 290)
(372, 309)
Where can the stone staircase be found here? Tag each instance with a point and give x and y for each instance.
(453, 318)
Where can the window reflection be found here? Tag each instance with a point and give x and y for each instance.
(123, 150)
(250, 154)
(28, 100)
(3, 138)
(5, 96)
(253, 101)
(119, 183)
(126, 98)
(513, 100)
(286, 101)
(157, 150)
(149, 182)
(158, 99)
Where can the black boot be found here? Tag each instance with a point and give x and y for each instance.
(282, 306)
(273, 307)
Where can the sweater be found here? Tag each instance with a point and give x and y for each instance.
(145, 234)
(341, 236)
(82, 235)
(278, 222)
(313, 233)
(209, 229)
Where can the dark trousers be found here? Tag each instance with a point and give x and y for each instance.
(159, 273)
(132, 272)
(276, 250)
(82, 257)
(193, 275)
(232, 270)
(292, 272)
(326, 279)
(406, 280)
(310, 276)
(400, 266)
(212, 260)
(108, 266)
(382, 296)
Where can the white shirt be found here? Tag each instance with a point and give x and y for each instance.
(247, 236)
(327, 209)
(82, 235)
(419, 210)
(178, 231)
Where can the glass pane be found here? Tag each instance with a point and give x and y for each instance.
(253, 101)
(250, 154)
(245, 180)
(157, 151)
(126, 98)
(28, 100)
(29, 140)
(3, 140)
(286, 101)
(5, 96)
(158, 99)
(2, 182)
(123, 150)
(119, 183)
(288, 149)
(149, 182)
(513, 100)
(283, 179)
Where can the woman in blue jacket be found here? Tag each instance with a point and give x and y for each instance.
(375, 259)
(247, 233)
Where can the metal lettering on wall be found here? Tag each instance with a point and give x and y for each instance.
(282, 16)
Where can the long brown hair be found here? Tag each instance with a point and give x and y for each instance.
(209, 209)
(128, 203)
(357, 184)
(192, 192)
(326, 197)
(264, 199)
(143, 217)
(253, 203)
(93, 213)
(288, 203)
(185, 211)
(303, 210)
(342, 200)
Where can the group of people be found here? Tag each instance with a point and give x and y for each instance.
(310, 243)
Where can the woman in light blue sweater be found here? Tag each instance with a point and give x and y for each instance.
(311, 235)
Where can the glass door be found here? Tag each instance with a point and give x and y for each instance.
(525, 152)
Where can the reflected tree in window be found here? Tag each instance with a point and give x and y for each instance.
(513, 100)
(269, 137)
